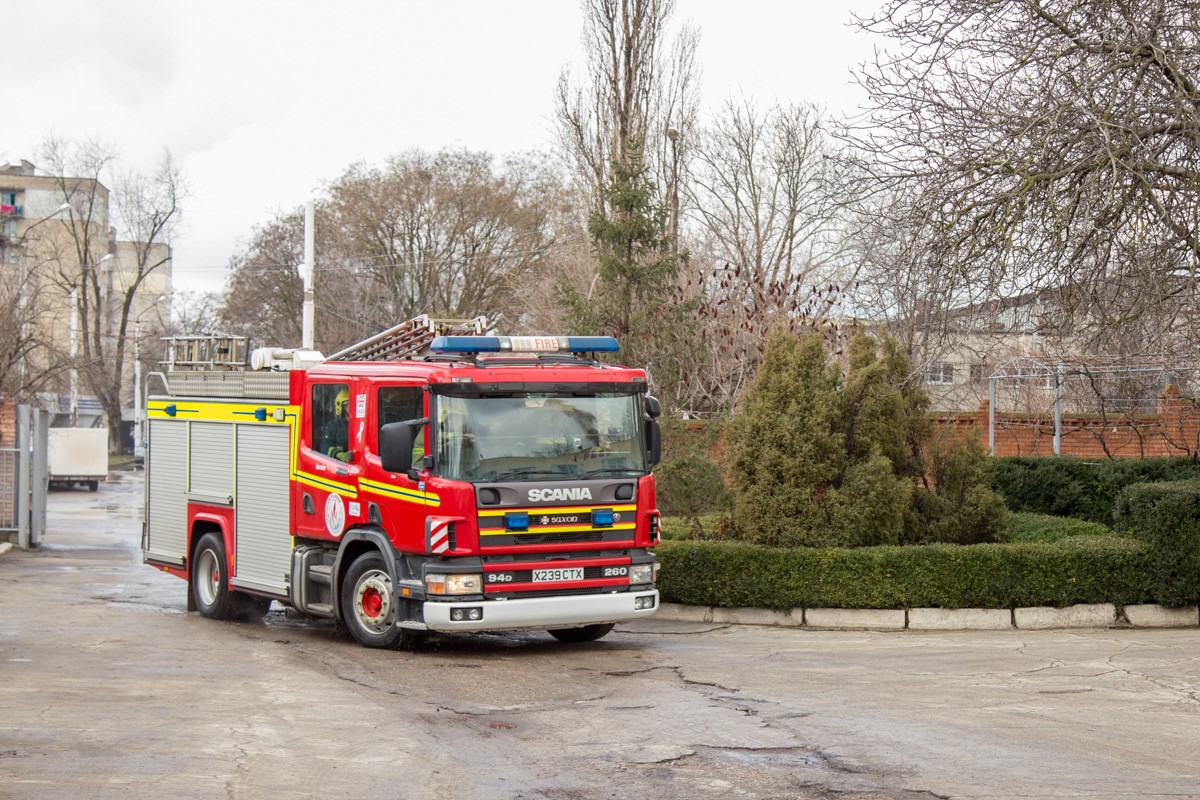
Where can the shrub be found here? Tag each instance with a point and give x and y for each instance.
(962, 508)
(784, 446)
(1080, 488)
(870, 507)
(819, 461)
(1081, 569)
(1166, 516)
(1028, 527)
(689, 486)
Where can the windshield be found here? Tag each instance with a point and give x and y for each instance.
(539, 437)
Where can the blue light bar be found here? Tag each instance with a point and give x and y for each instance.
(524, 344)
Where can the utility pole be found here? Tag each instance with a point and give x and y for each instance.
(306, 273)
(74, 353)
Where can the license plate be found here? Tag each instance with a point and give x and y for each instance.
(563, 574)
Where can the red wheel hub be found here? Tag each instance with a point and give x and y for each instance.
(372, 602)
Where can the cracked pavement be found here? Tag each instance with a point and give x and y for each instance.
(109, 688)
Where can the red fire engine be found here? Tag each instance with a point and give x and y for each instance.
(428, 479)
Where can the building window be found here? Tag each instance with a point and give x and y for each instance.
(979, 372)
(940, 373)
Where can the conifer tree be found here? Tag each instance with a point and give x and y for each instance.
(821, 461)
(633, 296)
(784, 445)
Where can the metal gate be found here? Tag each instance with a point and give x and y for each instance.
(24, 478)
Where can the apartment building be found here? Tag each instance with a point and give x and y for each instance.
(67, 276)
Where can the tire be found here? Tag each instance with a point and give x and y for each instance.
(210, 580)
(93, 486)
(588, 633)
(368, 604)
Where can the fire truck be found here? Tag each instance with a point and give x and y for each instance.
(430, 478)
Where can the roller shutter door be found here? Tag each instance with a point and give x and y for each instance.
(166, 502)
(263, 541)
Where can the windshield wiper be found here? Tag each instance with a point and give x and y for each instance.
(628, 472)
(557, 471)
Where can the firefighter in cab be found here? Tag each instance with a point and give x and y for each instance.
(335, 437)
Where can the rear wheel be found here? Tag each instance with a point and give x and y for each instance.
(369, 604)
(588, 633)
(210, 580)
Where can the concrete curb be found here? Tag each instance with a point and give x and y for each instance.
(1101, 616)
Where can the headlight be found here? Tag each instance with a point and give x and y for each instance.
(641, 573)
(454, 584)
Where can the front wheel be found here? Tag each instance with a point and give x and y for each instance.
(369, 604)
(588, 633)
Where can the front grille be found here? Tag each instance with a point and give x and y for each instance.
(552, 538)
(535, 539)
(549, 592)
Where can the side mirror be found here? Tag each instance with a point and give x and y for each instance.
(653, 407)
(396, 441)
(653, 442)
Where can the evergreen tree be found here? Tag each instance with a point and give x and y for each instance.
(634, 296)
(819, 461)
(884, 406)
(784, 445)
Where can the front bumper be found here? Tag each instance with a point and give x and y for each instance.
(541, 612)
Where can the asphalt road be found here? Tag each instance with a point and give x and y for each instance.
(110, 689)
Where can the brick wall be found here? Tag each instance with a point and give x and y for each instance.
(1173, 431)
(8, 476)
(8, 424)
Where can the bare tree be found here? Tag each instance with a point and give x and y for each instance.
(1034, 144)
(21, 340)
(771, 245)
(446, 233)
(764, 188)
(264, 293)
(637, 88)
(143, 210)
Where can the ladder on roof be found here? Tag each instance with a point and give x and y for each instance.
(409, 338)
(205, 352)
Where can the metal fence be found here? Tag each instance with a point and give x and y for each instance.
(1148, 404)
(24, 478)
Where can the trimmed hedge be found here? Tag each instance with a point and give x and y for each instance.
(1080, 488)
(1029, 527)
(1081, 569)
(1166, 516)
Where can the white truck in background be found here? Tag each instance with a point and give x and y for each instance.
(78, 455)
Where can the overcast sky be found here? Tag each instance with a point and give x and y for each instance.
(263, 103)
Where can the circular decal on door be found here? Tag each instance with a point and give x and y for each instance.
(335, 515)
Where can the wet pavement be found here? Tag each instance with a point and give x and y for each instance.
(110, 689)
